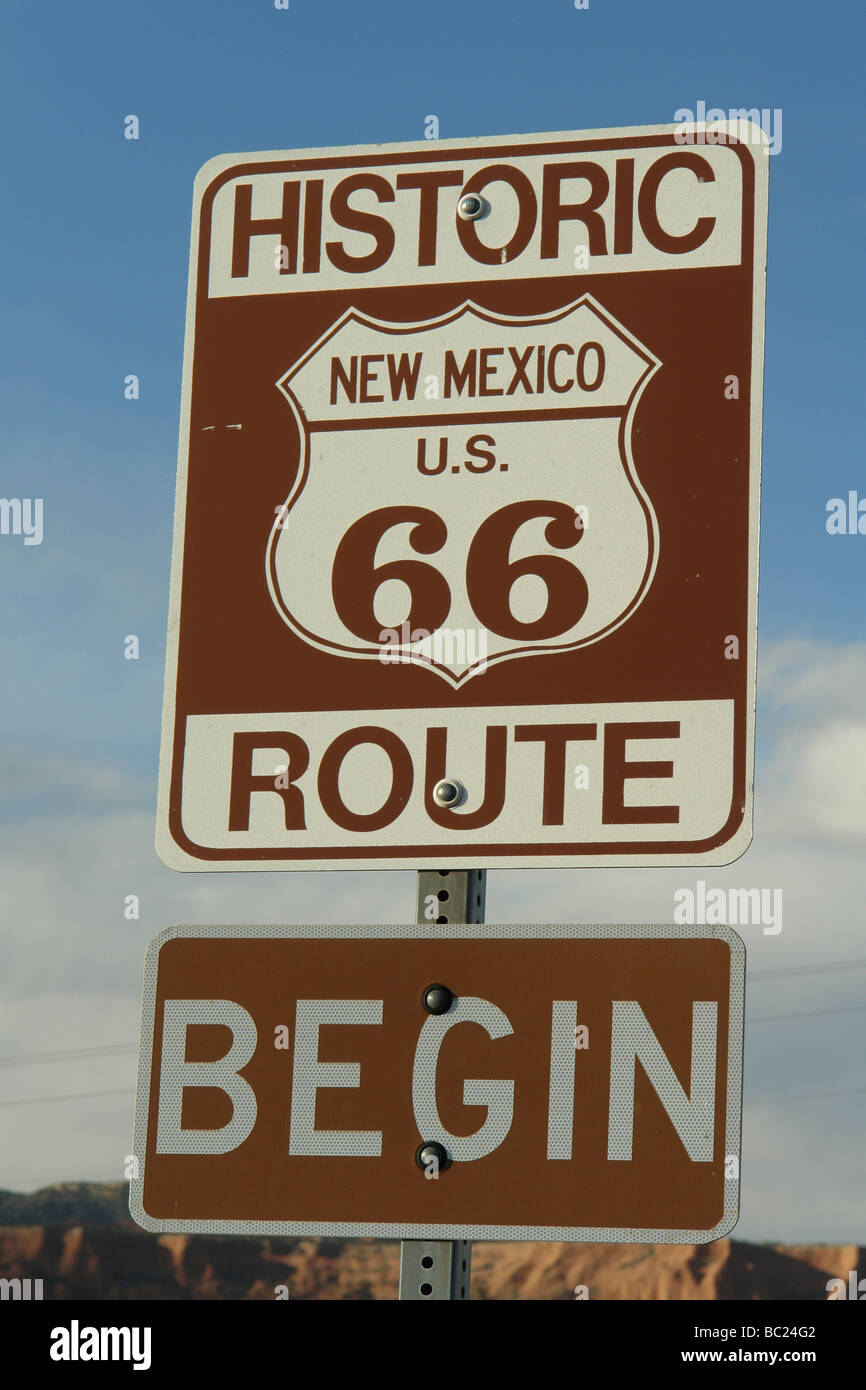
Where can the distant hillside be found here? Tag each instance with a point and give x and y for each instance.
(75, 1203)
(79, 1239)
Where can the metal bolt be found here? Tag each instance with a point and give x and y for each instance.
(432, 1153)
(438, 999)
(448, 792)
(472, 206)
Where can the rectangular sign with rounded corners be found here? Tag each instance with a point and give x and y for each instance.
(458, 1082)
(465, 564)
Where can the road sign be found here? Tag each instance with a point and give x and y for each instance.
(468, 493)
(482, 1083)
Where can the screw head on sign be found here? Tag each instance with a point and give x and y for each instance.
(429, 1153)
(472, 206)
(448, 792)
(438, 999)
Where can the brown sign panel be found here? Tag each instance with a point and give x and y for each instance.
(582, 1083)
(471, 498)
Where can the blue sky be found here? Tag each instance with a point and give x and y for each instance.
(95, 251)
(97, 246)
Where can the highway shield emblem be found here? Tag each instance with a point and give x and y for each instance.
(403, 425)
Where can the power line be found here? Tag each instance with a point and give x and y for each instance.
(111, 1049)
(72, 1095)
(806, 1095)
(71, 1055)
(114, 1049)
(808, 969)
(811, 1013)
(128, 1091)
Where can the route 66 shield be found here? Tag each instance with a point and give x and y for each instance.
(549, 468)
(468, 491)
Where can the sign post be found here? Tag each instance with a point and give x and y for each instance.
(433, 1270)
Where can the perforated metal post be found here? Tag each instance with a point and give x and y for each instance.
(459, 896)
(440, 1269)
(434, 1269)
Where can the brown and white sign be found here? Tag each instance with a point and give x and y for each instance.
(582, 1083)
(472, 499)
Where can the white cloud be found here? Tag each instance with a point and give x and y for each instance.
(812, 715)
(816, 680)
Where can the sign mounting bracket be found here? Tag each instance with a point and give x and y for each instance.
(432, 1270)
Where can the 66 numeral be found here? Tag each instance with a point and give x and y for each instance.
(490, 575)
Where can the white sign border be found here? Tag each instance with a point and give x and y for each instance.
(421, 1231)
(171, 854)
